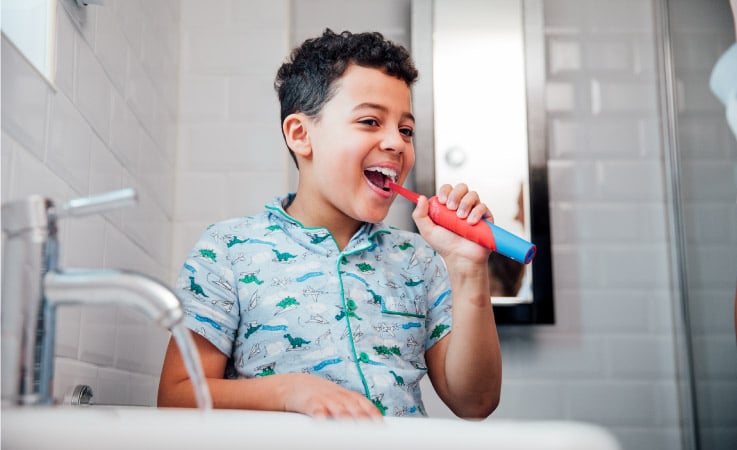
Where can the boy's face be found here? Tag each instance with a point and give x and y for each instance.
(361, 139)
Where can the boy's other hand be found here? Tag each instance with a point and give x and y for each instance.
(317, 397)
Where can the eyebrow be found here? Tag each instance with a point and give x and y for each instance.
(369, 105)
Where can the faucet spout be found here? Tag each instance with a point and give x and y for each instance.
(99, 287)
(33, 287)
(114, 287)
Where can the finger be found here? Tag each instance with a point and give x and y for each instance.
(479, 212)
(369, 410)
(319, 412)
(373, 413)
(467, 203)
(443, 193)
(456, 195)
(354, 406)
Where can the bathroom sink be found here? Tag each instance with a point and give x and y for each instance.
(104, 427)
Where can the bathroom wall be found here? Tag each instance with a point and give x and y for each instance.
(107, 121)
(232, 158)
(705, 149)
(119, 117)
(609, 358)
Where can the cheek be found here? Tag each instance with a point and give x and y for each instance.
(337, 167)
(409, 160)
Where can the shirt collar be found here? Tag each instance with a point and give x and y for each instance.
(315, 238)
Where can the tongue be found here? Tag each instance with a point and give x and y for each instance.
(376, 178)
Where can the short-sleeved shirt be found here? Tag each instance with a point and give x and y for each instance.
(277, 297)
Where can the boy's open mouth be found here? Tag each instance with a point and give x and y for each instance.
(380, 176)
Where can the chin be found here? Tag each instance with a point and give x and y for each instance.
(371, 210)
(375, 216)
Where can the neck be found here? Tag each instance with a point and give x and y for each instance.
(340, 226)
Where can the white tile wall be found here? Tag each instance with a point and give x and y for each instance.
(609, 358)
(93, 90)
(70, 140)
(105, 123)
(197, 96)
(231, 155)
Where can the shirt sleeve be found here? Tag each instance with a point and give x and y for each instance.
(438, 320)
(206, 288)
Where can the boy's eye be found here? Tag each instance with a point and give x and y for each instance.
(371, 122)
(409, 132)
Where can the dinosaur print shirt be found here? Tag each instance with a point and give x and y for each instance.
(276, 297)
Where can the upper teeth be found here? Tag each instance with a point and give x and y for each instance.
(385, 171)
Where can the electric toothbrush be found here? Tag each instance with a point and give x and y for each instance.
(484, 233)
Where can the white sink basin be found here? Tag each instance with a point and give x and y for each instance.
(102, 427)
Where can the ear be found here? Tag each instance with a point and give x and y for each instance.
(297, 135)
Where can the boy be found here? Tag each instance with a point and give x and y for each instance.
(314, 306)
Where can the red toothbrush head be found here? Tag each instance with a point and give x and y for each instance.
(404, 192)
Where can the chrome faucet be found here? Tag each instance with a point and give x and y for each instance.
(33, 286)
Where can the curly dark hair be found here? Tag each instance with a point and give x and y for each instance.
(305, 82)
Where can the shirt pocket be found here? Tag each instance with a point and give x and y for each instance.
(402, 306)
(402, 330)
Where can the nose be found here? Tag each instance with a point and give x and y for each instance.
(393, 141)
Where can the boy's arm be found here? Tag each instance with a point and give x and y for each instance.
(465, 366)
(296, 392)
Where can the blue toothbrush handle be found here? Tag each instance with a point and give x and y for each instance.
(511, 245)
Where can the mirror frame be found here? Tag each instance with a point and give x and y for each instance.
(541, 309)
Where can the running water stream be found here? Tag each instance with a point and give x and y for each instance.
(192, 362)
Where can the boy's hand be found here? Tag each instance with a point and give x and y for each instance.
(293, 392)
(467, 205)
(317, 397)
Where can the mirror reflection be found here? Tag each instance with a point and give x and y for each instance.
(480, 120)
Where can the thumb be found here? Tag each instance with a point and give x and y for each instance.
(420, 215)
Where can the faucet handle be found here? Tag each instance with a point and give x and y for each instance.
(98, 203)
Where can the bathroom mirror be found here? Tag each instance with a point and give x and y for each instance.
(486, 60)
